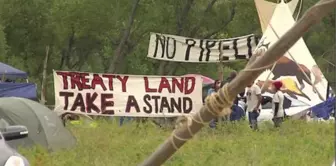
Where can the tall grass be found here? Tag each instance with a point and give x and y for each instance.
(295, 143)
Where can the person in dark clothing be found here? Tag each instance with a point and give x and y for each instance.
(237, 113)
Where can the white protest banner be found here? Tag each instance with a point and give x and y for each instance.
(182, 49)
(126, 95)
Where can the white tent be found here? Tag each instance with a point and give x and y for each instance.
(297, 69)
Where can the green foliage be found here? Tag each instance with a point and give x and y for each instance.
(83, 35)
(295, 143)
(3, 45)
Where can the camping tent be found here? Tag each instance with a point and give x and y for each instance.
(44, 126)
(24, 90)
(11, 72)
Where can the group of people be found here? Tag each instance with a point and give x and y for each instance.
(253, 99)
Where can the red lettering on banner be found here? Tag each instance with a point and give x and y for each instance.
(90, 102)
(84, 81)
(107, 103)
(66, 96)
(75, 81)
(102, 103)
(164, 84)
(110, 80)
(146, 99)
(97, 80)
(79, 102)
(123, 81)
(164, 104)
(187, 89)
(178, 105)
(81, 81)
(156, 101)
(182, 105)
(78, 80)
(132, 102)
(177, 84)
(88, 105)
(147, 88)
(64, 78)
(172, 105)
(186, 85)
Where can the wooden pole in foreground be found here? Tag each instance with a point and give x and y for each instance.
(278, 49)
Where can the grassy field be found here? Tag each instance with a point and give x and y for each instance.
(296, 143)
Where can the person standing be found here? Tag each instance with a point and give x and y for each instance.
(277, 104)
(253, 97)
(215, 86)
(237, 112)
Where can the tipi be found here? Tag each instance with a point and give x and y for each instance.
(305, 84)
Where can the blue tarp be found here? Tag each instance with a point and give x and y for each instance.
(11, 72)
(24, 90)
(323, 110)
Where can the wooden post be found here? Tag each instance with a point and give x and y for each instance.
(278, 49)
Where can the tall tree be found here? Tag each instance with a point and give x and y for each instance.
(118, 57)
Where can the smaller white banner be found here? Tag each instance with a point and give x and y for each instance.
(183, 49)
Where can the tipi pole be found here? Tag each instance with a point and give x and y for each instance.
(219, 103)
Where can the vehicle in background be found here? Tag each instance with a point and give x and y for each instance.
(9, 156)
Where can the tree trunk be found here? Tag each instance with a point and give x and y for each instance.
(173, 67)
(66, 52)
(196, 28)
(179, 28)
(44, 77)
(116, 59)
(225, 23)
